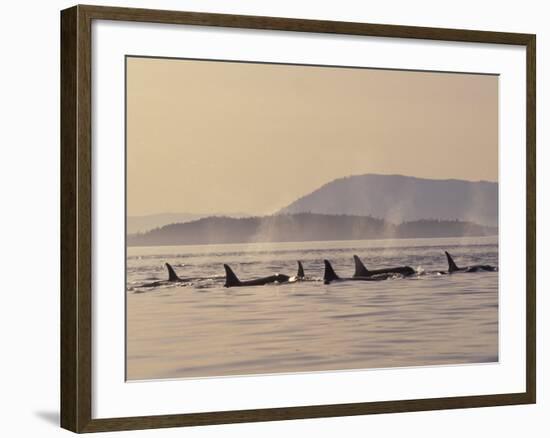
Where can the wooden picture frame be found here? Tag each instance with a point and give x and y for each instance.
(76, 218)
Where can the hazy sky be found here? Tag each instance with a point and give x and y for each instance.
(221, 137)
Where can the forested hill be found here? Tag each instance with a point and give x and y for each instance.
(301, 227)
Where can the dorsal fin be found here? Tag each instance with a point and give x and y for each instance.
(230, 277)
(360, 269)
(300, 273)
(330, 275)
(452, 265)
(172, 276)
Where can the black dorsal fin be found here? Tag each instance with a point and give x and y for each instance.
(230, 277)
(330, 275)
(172, 276)
(360, 269)
(300, 273)
(452, 265)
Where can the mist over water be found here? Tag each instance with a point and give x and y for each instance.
(199, 328)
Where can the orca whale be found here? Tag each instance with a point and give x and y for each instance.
(172, 278)
(362, 271)
(231, 280)
(473, 268)
(331, 276)
(300, 274)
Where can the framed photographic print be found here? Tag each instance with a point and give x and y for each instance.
(272, 218)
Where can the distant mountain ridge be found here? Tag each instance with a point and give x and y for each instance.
(300, 227)
(398, 198)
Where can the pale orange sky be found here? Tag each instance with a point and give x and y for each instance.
(223, 137)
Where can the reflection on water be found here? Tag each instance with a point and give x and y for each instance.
(199, 328)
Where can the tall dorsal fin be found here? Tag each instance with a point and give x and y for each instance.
(300, 273)
(452, 265)
(230, 277)
(360, 269)
(330, 275)
(172, 276)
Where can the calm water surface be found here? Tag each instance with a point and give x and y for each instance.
(199, 328)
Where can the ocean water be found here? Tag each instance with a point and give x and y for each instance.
(199, 328)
